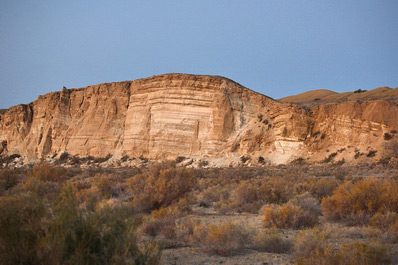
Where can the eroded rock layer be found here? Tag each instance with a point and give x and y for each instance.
(171, 115)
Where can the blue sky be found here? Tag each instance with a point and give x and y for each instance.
(275, 47)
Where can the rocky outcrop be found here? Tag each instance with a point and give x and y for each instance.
(172, 115)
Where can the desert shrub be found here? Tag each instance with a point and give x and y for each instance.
(314, 247)
(388, 223)
(163, 220)
(9, 158)
(308, 204)
(209, 196)
(143, 159)
(124, 158)
(362, 253)
(21, 230)
(288, 216)
(320, 187)
(276, 190)
(164, 226)
(179, 159)
(63, 157)
(384, 221)
(249, 195)
(102, 159)
(38, 230)
(244, 159)
(160, 187)
(261, 160)
(329, 158)
(109, 185)
(8, 180)
(361, 199)
(388, 136)
(81, 236)
(371, 153)
(203, 163)
(298, 161)
(246, 192)
(184, 228)
(224, 239)
(47, 172)
(272, 242)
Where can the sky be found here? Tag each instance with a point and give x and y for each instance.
(275, 47)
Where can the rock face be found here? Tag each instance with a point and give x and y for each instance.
(172, 115)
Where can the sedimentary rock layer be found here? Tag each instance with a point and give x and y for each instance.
(184, 115)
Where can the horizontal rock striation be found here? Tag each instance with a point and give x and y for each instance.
(172, 115)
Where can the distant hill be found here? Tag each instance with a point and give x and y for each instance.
(324, 95)
(3, 110)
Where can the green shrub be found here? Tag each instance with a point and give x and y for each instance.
(35, 230)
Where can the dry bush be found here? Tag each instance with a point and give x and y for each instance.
(271, 242)
(21, 229)
(361, 200)
(313, 247)
(165, 226)
(277, 190)
(8, 180)
(36, 230)
(160, 187)
(42, 188)
(224, 239)
(184, 228)
(47, 172)
(321, 188)
(211, 195)
(292, 214)
(362, 253)
(163, 220)
(384, 221)
(246, 192)
(109, 185)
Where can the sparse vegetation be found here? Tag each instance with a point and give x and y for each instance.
(97, 215)
(388, 136)
(371, 153)
(330, 157)
(314, 247)
(272, 242)
(360, 201)
(224, 239)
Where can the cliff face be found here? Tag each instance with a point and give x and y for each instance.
(183, 115)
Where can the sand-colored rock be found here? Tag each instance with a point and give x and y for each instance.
(172, 115)
(324, 95)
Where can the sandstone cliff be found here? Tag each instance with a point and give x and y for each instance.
(172, 115)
